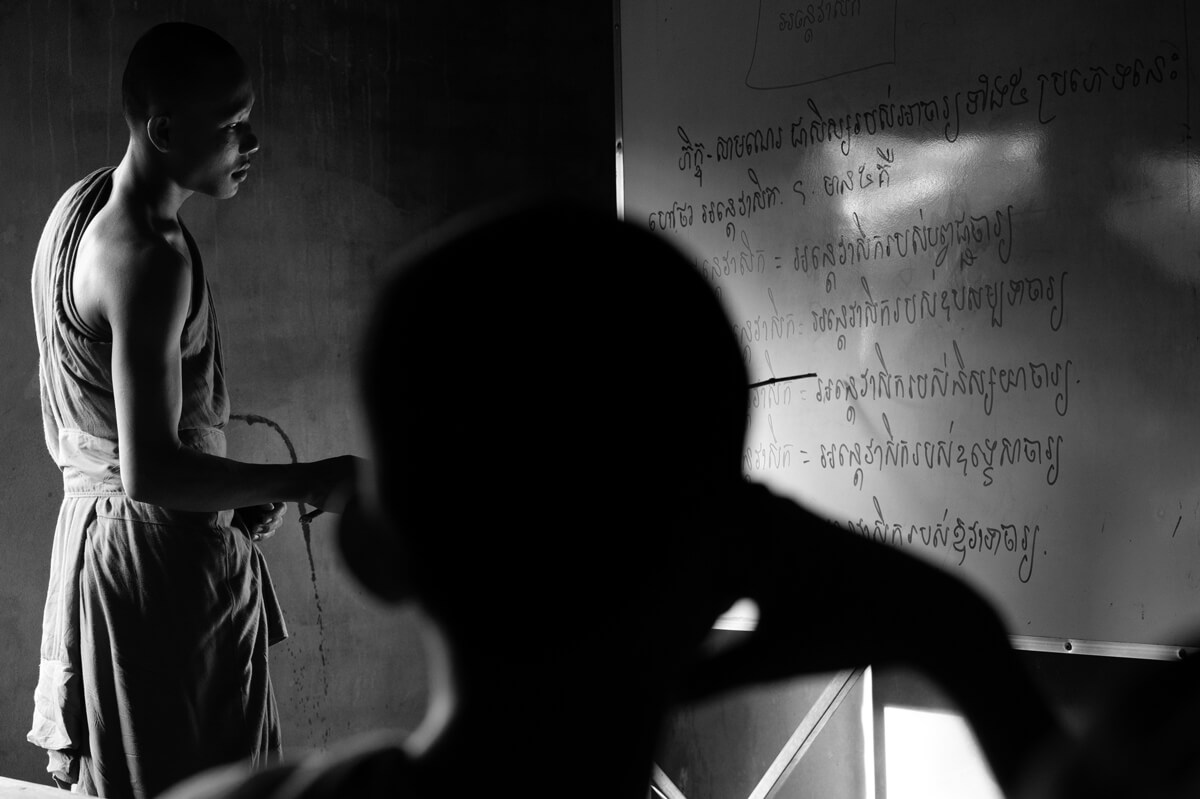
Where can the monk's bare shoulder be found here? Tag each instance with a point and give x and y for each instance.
(125, 269)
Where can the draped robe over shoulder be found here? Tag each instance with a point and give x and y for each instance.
(157, 622)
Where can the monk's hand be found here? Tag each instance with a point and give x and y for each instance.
(261, 521)
(333, 483)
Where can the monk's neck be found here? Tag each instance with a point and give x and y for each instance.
(141, 179)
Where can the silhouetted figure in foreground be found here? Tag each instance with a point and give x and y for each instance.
(557, 407)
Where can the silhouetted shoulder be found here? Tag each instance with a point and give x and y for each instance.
(369, 765)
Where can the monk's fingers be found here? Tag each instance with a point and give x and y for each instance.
(267, 527)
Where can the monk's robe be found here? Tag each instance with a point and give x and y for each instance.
(157, 622)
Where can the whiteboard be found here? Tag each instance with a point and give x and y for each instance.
(974, 223)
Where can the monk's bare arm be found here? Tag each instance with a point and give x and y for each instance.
(145, 302)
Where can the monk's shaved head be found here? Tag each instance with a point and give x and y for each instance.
(173, 63)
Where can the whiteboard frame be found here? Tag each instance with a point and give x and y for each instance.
(617, 115)
(744, 618)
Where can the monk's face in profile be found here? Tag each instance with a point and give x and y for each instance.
(211, 141)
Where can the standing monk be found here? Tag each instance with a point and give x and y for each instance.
(160, 608)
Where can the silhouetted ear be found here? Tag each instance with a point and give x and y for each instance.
(158, 130)
(373, 552)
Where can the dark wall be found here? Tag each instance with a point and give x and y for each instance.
(378, 120)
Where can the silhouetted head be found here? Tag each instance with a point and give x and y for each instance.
(556, 404)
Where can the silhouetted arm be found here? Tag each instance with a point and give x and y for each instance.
(830, 599)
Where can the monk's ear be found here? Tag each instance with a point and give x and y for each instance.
(158, 131)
